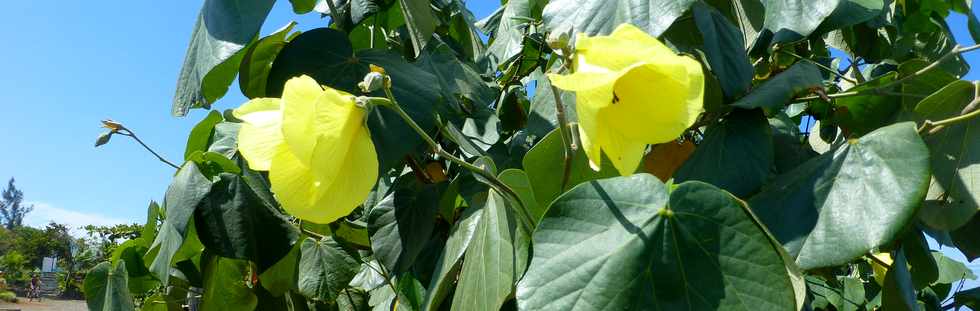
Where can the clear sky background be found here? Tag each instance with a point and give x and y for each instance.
(65, 65)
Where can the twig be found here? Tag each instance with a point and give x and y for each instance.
(526, 220)
(879, 261)
(828, 69)
(968, 113)
(885, 88)
(564, 130)
(122, 130)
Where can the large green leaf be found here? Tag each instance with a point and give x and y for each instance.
(223, 29)
(327, 56)
(747, 14)
(227, 285)
(858, 115)
(779, 90)
(951, 271)
(922, 85)
(965, 238)
(845, 202)
(200, 135)
(448, 265)
(724, 46)
(496, 258)
(106, 288)
(510, 30)
(741, 143)
(600, 17)
(898, 292)
(954, 194)
(789, 148)
(790, 20)
(233, 222)
(618, 244)
(254, 71)
(545, 168)
(420, 22)
(282, 276)
(131, 252)
(517, 179)
(401, 224)
(325, 268)
(188, 188)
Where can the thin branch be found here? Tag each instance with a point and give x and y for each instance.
(968, 113)
(526, 220)
(127, 132)
(822, 66)
(885, 88)
(879, 261)
(564, 130)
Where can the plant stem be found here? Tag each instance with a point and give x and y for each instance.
(884, 89)
(879, 261)
(334, 14)
(969, 112)
(564, 130)
(130, 133)
(828, 69)
(392, 104)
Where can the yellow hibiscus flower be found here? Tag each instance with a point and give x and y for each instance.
(316, 146)
(631, 90)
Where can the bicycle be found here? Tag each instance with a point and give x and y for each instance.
(34, 292)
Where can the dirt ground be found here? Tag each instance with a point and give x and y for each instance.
(47, 304)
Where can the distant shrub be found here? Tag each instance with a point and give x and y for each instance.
(8, 297)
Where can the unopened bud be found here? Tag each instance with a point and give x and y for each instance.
(373, 81)
(558, 40)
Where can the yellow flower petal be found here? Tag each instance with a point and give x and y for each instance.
(624, 153)
(260, 135)
(352, 184)
(292, 184)
(337, 121)
(626, 46)
(299, 98)
(653, 106)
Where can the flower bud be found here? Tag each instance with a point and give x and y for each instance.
(373, 81)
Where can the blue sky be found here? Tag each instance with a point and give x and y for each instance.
(68, 64)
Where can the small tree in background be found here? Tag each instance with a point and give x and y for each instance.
(11, 209)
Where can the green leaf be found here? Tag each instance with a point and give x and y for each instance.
(851, 12)
(223, 29)
(789, 148)
(858, 115)
(517, 179)
(791, 20)
(106, 288)
(969, 298)
(448, 265)
(327, 56)
(965, 238)
(188, 188)
(131, 252)
(325, 268)
(233, 222)
(951, 271)
(724, 46)
(617, 243)
(545, 166)
(924, 269)
(410, 293)
(954, 194)
(401, 225)
(224, 141)
(496, 258)
(843, 203)
(779, 90)
(303, 6)
(421, 24)
(854, 296)
(152, 216)
(254, 71)
(741, 143)
(543, 117)
(227, 285)
(200, 135)
(282, 276)
(508, 35)
(925, 84)
(747, 14)
(599, 17)
(898, 292)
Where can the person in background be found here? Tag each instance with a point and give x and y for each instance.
(35, 288)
